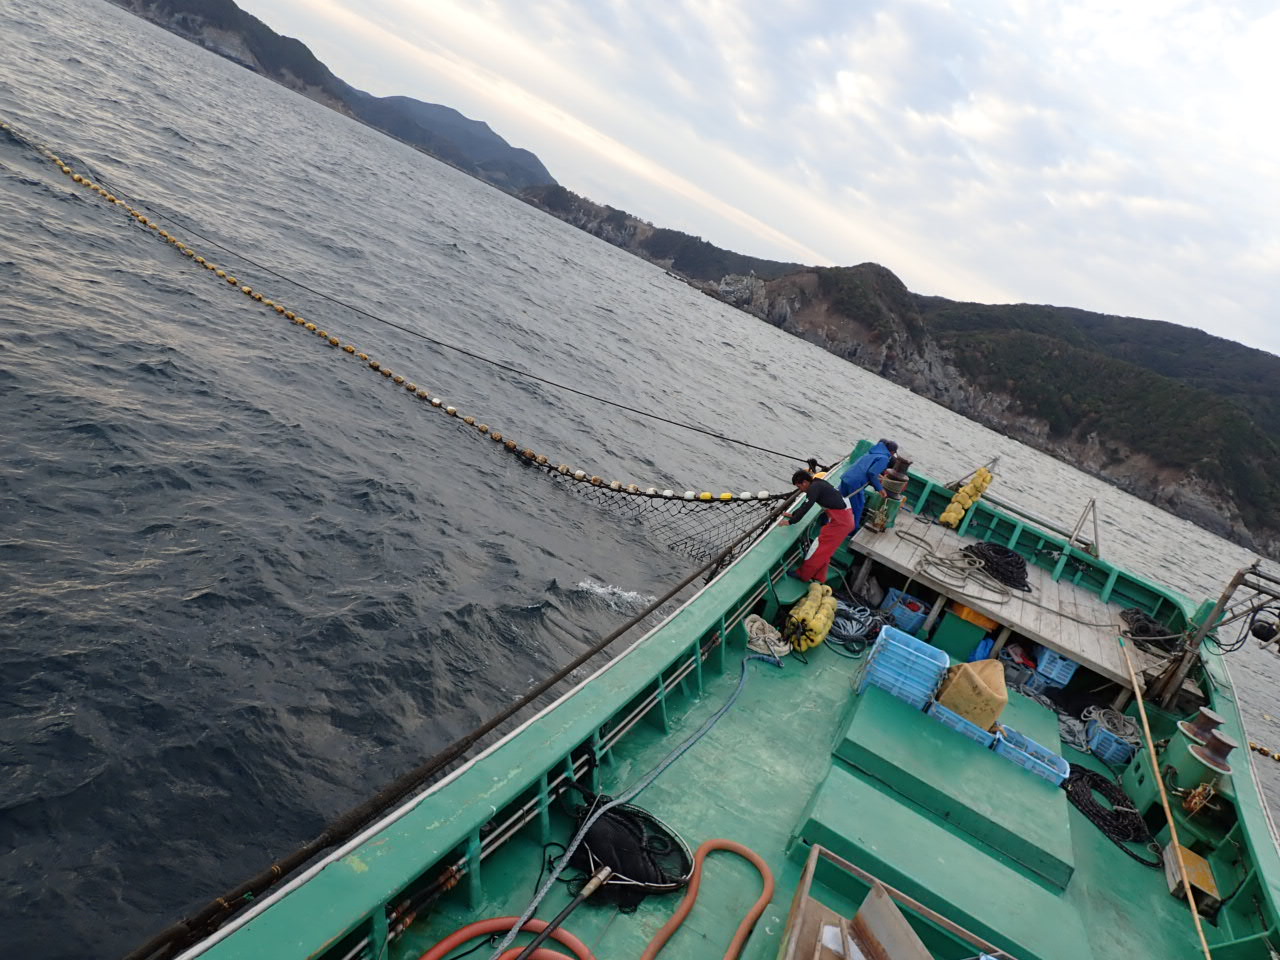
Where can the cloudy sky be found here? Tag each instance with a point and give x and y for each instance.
(1117, 156)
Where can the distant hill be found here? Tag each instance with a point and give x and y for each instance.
(470, 145)
(1186, 420)
(692, 256)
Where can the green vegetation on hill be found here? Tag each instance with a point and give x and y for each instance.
(1080, 391)
(874, 296)
(284, 53)
(696, 258)
(1248, 377)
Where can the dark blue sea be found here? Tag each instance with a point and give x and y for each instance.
(245, 582)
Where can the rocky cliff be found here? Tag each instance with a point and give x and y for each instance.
(867, 316)
(1179, 418)
(470, 145)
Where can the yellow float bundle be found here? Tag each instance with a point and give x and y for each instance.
(810, 620)
(966, 497)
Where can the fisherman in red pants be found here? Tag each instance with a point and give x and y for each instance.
(838, 526)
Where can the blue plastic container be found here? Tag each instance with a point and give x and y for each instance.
(958, 723)
(1037, 682)
(1028, 754)
(1106, 746)
(892, 641)
(915, 692)
(908, 668)
(903, 614)
(1054, 667)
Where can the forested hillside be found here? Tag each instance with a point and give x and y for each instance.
(1248, 377)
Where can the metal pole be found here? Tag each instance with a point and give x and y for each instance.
(1097, 544)
(1168, 688)
(1075, 532)
(1164, 797)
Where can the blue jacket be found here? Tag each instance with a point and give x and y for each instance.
(866, 470)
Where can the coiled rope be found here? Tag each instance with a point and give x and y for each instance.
(1118, 820)
(1003, 564)
(1114, 722)
(1147, 632)
(855, 627)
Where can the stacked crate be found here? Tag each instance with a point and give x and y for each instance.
(910, 669)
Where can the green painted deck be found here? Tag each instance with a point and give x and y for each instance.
(798, 761)
(996, 804)
(767, 776)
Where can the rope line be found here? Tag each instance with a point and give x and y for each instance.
(1118, 819)
(111, 197)
(690, 522)
(211, 916)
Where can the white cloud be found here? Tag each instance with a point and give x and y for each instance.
(1112, 156)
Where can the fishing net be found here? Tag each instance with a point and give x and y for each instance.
(698, 525)
(647, 856)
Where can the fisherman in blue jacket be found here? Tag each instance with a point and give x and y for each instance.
(863, 471)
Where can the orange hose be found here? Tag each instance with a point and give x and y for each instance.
(691, 894)
(501, 925)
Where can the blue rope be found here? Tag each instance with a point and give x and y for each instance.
(631, 793)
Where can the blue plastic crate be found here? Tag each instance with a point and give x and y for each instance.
(910, 669)
(1054, 667)
(904, 616)
(1106, 746)
(958, 723)
(906, 661)
(915, 692)
(1037, 682)
(1028, 754)
(891, 640)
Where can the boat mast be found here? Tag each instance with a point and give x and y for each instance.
(1169, 684)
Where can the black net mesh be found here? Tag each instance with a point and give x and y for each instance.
(646, 855)
(698, 525)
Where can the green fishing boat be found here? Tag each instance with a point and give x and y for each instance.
(868, 819)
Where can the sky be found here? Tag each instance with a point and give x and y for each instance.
(1121, 157)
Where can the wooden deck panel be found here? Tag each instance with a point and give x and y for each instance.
(1055, 614)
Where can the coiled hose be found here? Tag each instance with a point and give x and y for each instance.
(691, 894)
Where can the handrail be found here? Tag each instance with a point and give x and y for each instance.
(915, 906)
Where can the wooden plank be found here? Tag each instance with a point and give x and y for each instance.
(881, 930)
(1045, 615)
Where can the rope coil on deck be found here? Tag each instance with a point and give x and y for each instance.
(1119, 821)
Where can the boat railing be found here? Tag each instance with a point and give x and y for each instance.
(804, 905)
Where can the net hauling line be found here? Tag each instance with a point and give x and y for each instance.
(525, 453)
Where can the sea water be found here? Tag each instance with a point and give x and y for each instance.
(243, 581)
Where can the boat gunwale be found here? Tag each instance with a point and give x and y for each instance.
(1252, 812)
(408, 806)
